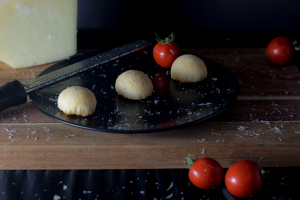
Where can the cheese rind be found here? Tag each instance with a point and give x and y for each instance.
(35, 32)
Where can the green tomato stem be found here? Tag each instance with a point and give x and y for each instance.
(190, 161)
(295, 45)
(167, 40)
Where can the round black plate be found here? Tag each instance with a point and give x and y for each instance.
(172, 104)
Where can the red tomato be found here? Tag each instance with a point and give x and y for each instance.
(166, 51)
(280, 51)
(206, 173)
(243, 179)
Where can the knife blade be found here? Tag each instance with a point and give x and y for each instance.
(14, 93)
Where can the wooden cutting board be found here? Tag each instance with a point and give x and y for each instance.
(263, 122)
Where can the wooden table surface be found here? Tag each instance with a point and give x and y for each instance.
(264, 121)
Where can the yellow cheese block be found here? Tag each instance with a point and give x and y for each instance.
(35, 32)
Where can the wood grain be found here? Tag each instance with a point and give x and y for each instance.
(258, 77)
(264, 121)
(64, 147)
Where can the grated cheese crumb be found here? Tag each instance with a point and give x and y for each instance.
(56, 197)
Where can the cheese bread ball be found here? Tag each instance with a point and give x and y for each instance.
(188, 69)
(134, 84)
(77, 100)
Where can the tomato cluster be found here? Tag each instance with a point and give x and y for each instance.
(243, 179)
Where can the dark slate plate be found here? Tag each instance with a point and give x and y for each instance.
(172, 104)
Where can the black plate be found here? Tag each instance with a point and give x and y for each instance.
(172, 104)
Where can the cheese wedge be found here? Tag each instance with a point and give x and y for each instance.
(35, 32)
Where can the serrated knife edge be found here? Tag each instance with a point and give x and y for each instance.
(84, 65)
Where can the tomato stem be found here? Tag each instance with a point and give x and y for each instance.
(295, 45)
(263, 172)
(190, 161)
(167, 40)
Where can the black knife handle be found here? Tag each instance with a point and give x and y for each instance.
(12, 94)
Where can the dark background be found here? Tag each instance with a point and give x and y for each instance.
(199, 23)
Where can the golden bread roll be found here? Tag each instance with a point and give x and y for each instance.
(188, 69)
(77, 100)
(134, 84)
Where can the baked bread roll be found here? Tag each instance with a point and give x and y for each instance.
(188, 69)
(134, 84)
(77, 100)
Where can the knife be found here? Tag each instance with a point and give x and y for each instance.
(14, 93)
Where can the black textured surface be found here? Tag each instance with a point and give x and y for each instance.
(143, 184)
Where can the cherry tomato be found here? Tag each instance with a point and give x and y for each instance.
(206, 173)
(280, 51)
(166, 51)
(243, 179)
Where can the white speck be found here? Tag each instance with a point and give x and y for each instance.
(46, 129)
(202, 140)
(265, 122)
(56, 197)
(279, 139)
(239, 135)
(53, 99)
(204, 104)
(142, 192)
(169, 196)
(70, 135)
(170, 187)
(65, 187)
(203, 151)
(241, 128)
(10, 142)
(14, 130)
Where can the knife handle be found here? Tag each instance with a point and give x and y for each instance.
(12, 94)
